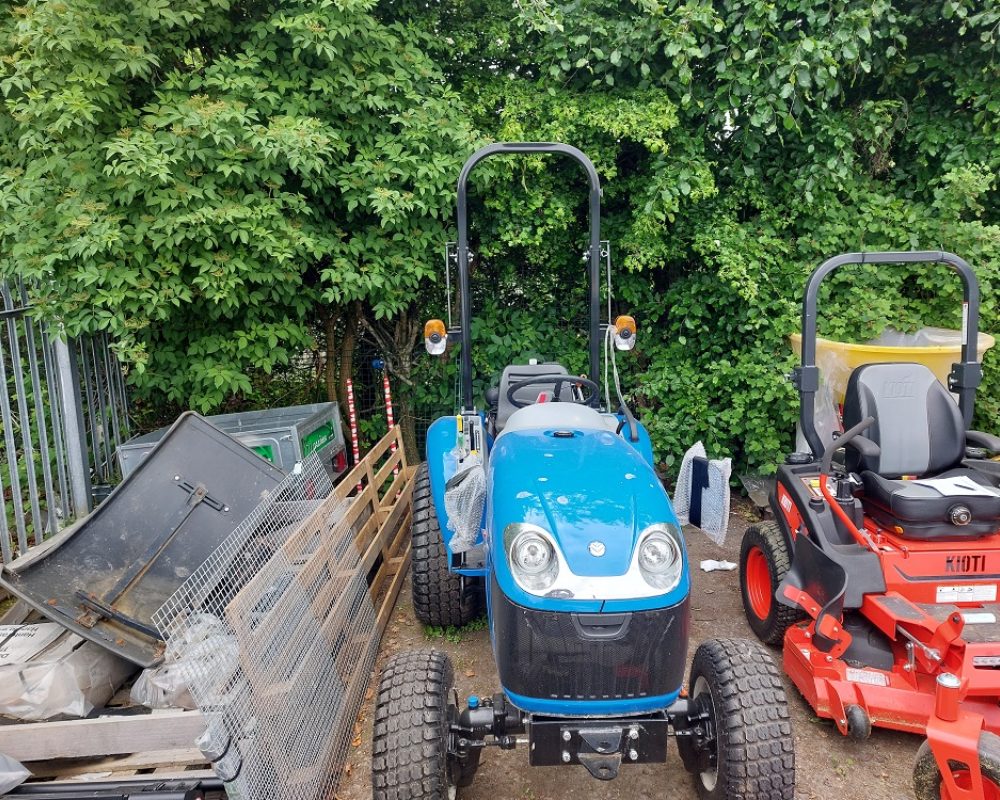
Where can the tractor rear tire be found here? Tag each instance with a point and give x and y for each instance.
(927, 775)
(440, 596)
(410, 741)
(737, 683)
(764, 562)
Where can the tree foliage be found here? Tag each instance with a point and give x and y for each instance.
(198, 178)
(205, 179)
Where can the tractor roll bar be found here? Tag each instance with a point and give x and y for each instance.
(965, 375)
(463, 251)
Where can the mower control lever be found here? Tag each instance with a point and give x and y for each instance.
(843, 440)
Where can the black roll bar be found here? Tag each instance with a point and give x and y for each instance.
(965, 376)
(463, 252)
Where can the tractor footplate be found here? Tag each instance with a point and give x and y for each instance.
(601, 745)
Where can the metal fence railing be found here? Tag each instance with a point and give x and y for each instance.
(64, 412)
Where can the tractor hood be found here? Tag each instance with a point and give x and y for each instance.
(589, 489)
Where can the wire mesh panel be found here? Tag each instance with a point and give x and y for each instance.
(284, 630)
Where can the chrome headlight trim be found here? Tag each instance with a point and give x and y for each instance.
(557, 580)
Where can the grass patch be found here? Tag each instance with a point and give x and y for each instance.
(453, 633)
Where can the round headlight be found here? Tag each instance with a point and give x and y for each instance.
(658, 552)
(533, 559)
(660, 560)
(531, 553)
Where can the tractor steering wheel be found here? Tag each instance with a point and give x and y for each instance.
(555, 380)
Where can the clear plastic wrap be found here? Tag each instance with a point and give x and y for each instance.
(206, 642)
(714, 505)
(464, 502)
(47, 672)
(12, 774)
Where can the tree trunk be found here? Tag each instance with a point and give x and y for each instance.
(346, 361)
(330, 362)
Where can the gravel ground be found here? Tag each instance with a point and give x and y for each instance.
(828, 764)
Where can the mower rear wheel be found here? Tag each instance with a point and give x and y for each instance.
(410, 741)
(440, 596)
(764, 562)
(927, 776)
(746, 749)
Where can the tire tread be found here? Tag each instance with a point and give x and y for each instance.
(756, 746)
(440, 596)
(769, 538)
(409, 742)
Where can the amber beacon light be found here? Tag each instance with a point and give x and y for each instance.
(435, 337)
(625, 332)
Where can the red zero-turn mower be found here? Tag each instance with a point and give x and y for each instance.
(880, 575)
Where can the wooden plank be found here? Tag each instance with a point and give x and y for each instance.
(104, 736)
(389, 601)
(169, 760)
(394, 460)
(16, 614)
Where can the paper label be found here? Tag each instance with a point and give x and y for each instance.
(956, 487)
(18, 643)
(983, 593)
(867, 676)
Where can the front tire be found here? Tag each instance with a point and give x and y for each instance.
(927, 776)
(410, 742)
(440, 596)
(749, 751)
(764, 562)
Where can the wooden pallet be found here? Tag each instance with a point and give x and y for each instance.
(373, 501)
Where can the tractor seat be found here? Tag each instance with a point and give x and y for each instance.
(916, 484)
(520, 372)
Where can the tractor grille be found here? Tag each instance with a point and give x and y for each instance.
(551, 655)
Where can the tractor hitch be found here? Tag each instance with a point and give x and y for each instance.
(600, 745)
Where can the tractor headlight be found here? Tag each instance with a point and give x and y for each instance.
(532, 556)
(660, 560)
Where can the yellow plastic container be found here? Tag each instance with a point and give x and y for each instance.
(837, 360)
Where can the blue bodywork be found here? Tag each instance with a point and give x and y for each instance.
(595, 486)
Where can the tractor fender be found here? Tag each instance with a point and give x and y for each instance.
(441, 466)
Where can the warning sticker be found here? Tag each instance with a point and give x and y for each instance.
(983, 593)
(18, 643)
(868, 676)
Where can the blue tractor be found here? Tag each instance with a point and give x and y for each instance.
(545, 504)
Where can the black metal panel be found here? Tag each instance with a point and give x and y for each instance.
(549, 739)
(105, 577)
(562, 655)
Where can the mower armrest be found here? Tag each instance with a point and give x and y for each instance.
(985, 440)
(865, 446)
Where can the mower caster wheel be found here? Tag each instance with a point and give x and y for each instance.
(859, 724)
(412, 719)
(927, 783)
(764, 562)
(743, 745)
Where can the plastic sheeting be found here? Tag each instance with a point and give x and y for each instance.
(47, 672)
(464, 503)
(701, 497)
(12, 774)
(205, 643)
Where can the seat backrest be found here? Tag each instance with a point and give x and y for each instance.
(918, 425)
(519, 372)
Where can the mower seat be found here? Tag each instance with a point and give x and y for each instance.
(529, 394)
(914, 480)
